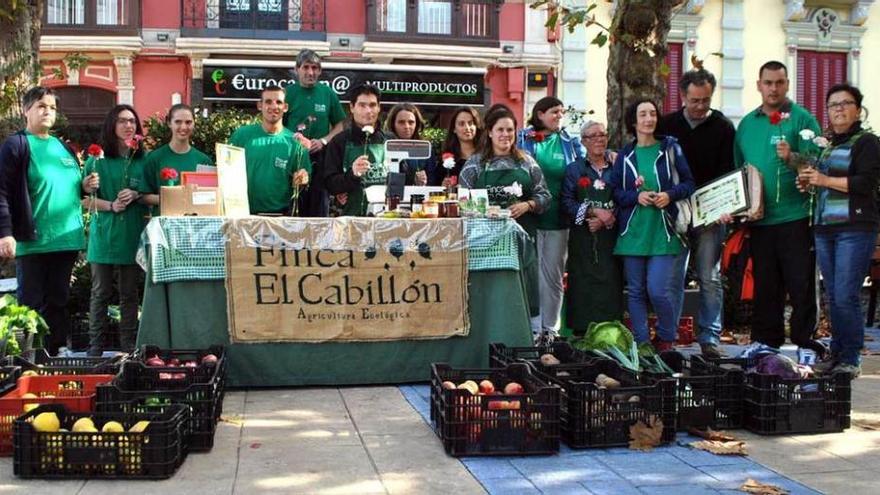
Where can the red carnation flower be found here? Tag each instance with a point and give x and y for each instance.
(168, 173)
(584, 182)
(95, 151)
(775, 118)
(447, 156)
(539, 137)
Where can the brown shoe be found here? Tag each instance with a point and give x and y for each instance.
(712, 351)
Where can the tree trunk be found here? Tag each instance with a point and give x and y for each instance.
(20, 24)
(638, 48)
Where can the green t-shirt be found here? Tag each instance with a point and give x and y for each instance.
(54, 186)
(165, 157)
(646, 233)
(548, 154)
(271, 160)
(114, 237)
(755, 144)
(312, 111)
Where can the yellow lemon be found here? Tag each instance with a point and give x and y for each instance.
(84, 425)
(29, 396)
(139, 427)
(47, 422)
(112, 427)
(29, 373)
(30, 407)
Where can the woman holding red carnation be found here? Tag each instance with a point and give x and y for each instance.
(595, 275)
(165, 164)
(117, 220)
(553, 149)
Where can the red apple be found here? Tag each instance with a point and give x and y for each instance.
(487, 387)
(191, 364)
(209, 359)
(513, 405)
(155, 361)
(173, 362)
(447, 385)
(498, 405)
(514, 388)
(166, 376)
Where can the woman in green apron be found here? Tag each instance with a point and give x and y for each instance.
(514, 181)
(595, 275)
(117, 219)
(355, 158)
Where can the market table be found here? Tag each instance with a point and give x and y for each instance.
(184, 306)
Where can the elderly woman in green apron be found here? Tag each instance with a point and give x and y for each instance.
(595, 275)
(355, 158)
(513, 180)
(117, 219)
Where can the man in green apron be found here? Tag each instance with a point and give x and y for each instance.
(355, 158)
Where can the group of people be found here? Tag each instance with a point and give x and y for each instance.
(606, 218)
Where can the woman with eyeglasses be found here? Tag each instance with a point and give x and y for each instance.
(117, 220)
(553, 149)
(845, 221)
(595, 275)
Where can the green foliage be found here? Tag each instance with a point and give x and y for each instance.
(436, 136)
(73, 61)
(15, 317)
(210, 130)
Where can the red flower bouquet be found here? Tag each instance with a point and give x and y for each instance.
(168, 176)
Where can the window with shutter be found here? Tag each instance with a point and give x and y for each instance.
(673, 60)
(816, 73)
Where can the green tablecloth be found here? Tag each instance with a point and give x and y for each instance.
(192, 314)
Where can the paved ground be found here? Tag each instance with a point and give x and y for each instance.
(374, 440)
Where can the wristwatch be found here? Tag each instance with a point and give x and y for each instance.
(323, 141)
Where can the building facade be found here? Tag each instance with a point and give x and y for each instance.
(210, 53)
(822, 42)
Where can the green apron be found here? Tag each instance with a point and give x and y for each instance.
(356, 206)
(595, 275)
(494, 181)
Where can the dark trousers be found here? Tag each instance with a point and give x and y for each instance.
(44, 285)
(784, 264)
(314, 201)
(102, 293)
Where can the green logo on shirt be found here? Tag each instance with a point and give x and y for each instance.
(280, 163)
(68, 162)
(320, 108)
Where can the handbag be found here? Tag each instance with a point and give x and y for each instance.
(685, 211)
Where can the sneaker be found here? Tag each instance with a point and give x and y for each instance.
(545, 338)
(712, 351)
(756, 349)
(853, 370)
(825, 364)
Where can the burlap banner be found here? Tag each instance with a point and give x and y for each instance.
(346, 279)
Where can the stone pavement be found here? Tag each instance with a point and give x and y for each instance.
(364, 440)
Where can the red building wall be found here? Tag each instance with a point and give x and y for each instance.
(346, 16)
(155, 79)
(512, 24)
(161, 14)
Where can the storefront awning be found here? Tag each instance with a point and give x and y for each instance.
(242, 80)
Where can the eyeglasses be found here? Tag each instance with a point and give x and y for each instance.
(126, 121)
(594, 136)
(840, 104)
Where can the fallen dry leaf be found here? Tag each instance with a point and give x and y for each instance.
(233, 419)
(718, 447)
(866, 424)
(743, 339)
(753, 486)
(710, 434)
(646, 436)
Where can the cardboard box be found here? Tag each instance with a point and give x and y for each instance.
(190, 200)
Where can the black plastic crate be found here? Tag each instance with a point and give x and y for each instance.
(593, 416)
(156, 453)
(775, 406)
(8, 377)
(137, 375)
(500, 355)
(705, 395)
(205, 400)
(496, 424)
(43, 364)
(729, 386)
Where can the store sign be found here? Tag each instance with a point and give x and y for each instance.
(426, 88)
(345, 279)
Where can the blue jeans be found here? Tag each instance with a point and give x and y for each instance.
(651, 276)
(844, 257)
(706, 243)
